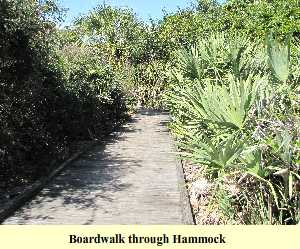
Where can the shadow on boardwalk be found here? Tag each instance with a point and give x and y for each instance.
(131, 175)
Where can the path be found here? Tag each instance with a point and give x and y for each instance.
(132, 179)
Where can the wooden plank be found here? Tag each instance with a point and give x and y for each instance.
(133, 180)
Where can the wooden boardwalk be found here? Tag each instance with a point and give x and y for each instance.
(131, 179)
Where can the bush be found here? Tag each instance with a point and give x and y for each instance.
(235, 114)
(47, 101)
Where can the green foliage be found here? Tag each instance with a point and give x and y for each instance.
(279, 57)
(237, 98)
(219, 157)
(226, 116)
(257, 18)
(234, 102)
(48, 99)
(29, 88)
(133, 50)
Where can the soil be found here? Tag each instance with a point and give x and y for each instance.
(200, 191)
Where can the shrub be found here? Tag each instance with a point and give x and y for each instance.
(47, 99)
(239, 120)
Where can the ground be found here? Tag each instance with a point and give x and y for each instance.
(131, 179)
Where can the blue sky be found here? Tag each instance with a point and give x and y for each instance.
(143, 8)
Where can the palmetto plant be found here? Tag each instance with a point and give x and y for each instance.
(206, 58)
(215, 56)
(190, 63)
(226, 109)
(226, 105)
(220, 156)
(279, 58)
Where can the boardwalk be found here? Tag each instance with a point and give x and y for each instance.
(132, 179)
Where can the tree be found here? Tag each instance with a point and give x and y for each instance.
(257, 18)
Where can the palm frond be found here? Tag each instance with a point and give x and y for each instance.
(279, 58)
